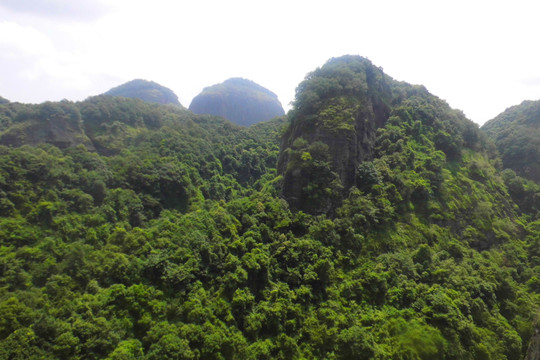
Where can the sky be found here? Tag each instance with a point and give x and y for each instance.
(480, 56)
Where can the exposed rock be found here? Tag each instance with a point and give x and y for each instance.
(334, 127)
(533, 352)
(339, 108)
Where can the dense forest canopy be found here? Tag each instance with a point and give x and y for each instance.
(166, 234)
(516, 133)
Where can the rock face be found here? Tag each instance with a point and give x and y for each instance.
(345, 115)
(145, 90)
(239, 100)
(533, 352)
(338, 110)
(516, 133)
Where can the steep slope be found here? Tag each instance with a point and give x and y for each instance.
(334, 129)
(516, 133)
(145, 90)
(3, 100)
(238, 100)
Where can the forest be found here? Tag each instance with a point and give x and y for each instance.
(370, 222)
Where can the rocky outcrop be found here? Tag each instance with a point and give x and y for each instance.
(338, 110)
(533, 353)
(239, 100)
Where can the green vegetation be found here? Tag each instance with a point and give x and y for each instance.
(516, 133)
(239, 100)
(145, 90)
(166, 236)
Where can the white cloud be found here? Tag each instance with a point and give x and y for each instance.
(63, 9)
(24, 39)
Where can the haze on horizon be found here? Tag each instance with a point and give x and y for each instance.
(478, 56)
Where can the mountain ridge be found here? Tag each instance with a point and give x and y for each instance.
(516, 133)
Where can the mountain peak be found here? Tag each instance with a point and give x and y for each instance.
(516, 133)
(145, 90)
(338, 112)
(239, 100)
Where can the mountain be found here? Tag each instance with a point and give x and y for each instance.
(239, 100)
(145, 90)
(516, 133)
(3, 100)
(337, 127)
(389, 230)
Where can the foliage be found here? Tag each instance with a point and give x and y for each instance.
(516, 133)
(171, 241)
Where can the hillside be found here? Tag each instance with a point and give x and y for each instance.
(145, 90)
(241, 101)
(59, 124)
(100, 122)
(516, 133)
(347, 114)
(177, 235)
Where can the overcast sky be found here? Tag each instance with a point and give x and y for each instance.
(479, 56)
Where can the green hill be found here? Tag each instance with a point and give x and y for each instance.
(349, 114)
(57, 123)
(372, 222)
(241, 101)
(145, 90)
(516, 133)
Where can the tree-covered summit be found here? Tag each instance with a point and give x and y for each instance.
(516, 133)
(145, 90)
(242, 101)
(340, 114)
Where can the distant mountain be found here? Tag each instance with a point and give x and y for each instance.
(239, 100)
(516, 133)
(3, 100)
(145, 90)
